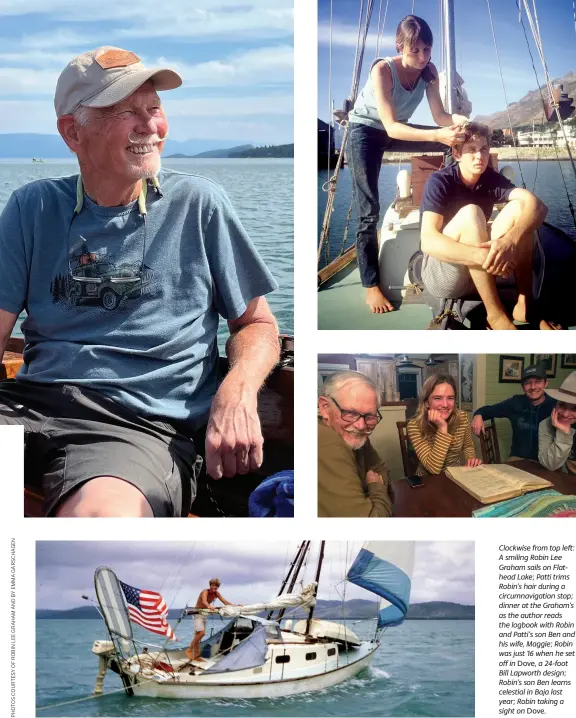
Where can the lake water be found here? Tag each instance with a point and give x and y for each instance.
(261, 191)
(542, 178)
(422, 668)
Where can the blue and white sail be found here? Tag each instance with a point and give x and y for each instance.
(385, 568)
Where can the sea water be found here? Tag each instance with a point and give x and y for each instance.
(261, 191)
(546, 179)
(422, 668)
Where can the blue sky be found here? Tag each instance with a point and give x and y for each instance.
(250, 571)
(236, 58)
(475, 54)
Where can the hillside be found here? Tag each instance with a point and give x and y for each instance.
(356, 609)
(266, 151)
(529, 107)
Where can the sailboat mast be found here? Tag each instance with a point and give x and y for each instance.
(318, 570)
(299, 562)
(287, 577)
(450, 54)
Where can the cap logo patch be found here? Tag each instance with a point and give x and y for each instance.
(116, 58)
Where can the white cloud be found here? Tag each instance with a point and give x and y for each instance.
(347, 36)
(171, 18)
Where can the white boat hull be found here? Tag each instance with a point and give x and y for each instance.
(273, 688)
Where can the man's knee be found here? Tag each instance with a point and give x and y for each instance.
(105, 497)
(468, 225)
(199, 636)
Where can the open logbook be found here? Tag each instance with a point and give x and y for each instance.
(495, 482)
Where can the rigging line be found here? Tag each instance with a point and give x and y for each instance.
(505, 95)
(378, 30)
(553, 104)
(574, 13)
(330, 113)
(570, 206)
(381, 29)
(412, 13)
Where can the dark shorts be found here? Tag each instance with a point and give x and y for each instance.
(73, 434)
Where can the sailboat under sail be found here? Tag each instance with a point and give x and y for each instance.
(253, 656)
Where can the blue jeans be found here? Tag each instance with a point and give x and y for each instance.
(366, 147)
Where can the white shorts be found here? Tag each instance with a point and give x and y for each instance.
(199, 623)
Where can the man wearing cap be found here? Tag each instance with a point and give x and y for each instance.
(124, 271)
(556, 435)
(525, 413)
(205, 600)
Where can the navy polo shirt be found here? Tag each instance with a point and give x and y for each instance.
(446, 194)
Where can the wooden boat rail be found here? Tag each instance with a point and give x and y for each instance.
(275, 409)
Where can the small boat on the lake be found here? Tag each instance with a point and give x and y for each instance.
(254, 656)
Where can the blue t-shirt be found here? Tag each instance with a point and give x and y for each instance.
(125, 304)
(446, 194)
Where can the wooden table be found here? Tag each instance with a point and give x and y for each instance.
(440, 496)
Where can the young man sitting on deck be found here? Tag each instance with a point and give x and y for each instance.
(462, 254)
(124, 272)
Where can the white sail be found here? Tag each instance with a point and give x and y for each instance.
(303, 599)
(112, 604)
(385, 568)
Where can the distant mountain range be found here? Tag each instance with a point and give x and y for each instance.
(529, 108)
(244, 151)
(353, 609)
(53, 147)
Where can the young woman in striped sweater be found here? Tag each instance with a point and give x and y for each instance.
(440, 433)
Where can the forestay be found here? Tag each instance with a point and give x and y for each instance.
(290, 600)
(112, 604)
(385, 568)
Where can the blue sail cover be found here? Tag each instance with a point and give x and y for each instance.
(251, 652)
(385, 568)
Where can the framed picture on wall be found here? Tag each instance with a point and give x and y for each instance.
(568, 361)
(510, 371)
(466, 382)
(549, 361)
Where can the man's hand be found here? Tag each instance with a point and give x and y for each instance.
(557, 424)
(473, 462)
(436, 418)
(501, 259)
(373, 478)
(233, 437)
(477, 425)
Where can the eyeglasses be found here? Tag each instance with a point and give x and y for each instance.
(351, 417)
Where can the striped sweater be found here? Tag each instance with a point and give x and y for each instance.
(438, 451)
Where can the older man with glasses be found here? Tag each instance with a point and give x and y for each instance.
(352, 479)
(124, 271)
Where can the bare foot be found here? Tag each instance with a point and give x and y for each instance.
(500, 321)
(377, 301)
(549, 326)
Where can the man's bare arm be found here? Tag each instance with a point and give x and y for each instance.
(446, 249)
(224, 601)
(233, 437)
(7, 322)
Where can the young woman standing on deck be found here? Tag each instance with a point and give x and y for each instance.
(379, 123)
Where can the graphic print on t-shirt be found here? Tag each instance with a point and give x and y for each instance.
(94, 280)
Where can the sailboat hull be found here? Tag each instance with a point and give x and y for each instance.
(229, 686)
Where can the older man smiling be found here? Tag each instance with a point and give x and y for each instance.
(124, 271)
(352, 479)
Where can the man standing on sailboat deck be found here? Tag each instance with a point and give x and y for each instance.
(462, 255)
(352, 479)
(205, 600)
(124, 272)
(379, 123)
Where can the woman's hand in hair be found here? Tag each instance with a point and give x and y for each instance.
(450, 135)
(473, 462)
(435, 417)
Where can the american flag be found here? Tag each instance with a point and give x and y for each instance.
(148, 609)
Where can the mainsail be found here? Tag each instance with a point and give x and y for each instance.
(112, 604)
(385, 568)
(303, 599)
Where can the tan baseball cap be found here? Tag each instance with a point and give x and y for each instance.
(105, 76)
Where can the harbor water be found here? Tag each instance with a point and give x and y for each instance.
(422, 668)
(261, 191)
(546, 179)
